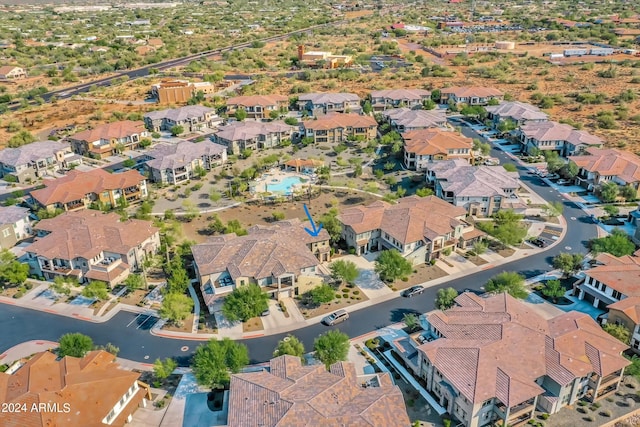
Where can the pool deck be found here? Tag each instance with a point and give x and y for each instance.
(262, 184)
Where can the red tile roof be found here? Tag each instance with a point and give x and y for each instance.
(109, 131)
(619, 273)
(610, 162)
(257, 100)
(467, 92)
(435, 141)
(338, 120)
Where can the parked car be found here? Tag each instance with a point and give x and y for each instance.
(414, 290)
(265, 313)
(335, 318)
(538, 242)
(563, 182)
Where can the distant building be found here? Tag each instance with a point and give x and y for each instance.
(15, 225)
(519, 113)
(558, 137)
(337, 127)
(107, 139)
(175, 163)
(322, 59)
(397, 98)
(10, 72)
(88, 391)
(406, 119)
(322, 103)
(238, 136)
(178, 91)
(474, 95)
(191, 117)
(287, 393)
(426, 145)
(32, 161)
(257, 106)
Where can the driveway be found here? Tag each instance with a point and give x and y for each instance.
(368, 280)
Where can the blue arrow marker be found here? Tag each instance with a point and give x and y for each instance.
(315, 230)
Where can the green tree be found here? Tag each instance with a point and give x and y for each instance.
(629, 193)
(244, 303)
(11, 270)
(61, 285)
(553, 289)
(617, 244)
(176, 307)
(554, 208)
(278, 216)
(510, 234)
(480, 247)
(214, 361)
(96, 289)
(445, 298)
(634, 368)
(134, 282)
(163, 368)
(366, 107)
(331, 347)
(289, 345)
(177, 130)
(330, 223)
(74, 345)
(620, 332)
(554, 162)
(510, 167)
(411, 321)
(608, 192)
(569, 170)
(424, 192)
(510, 282)
(215, 196)
(391, 265)
(320, 294)
(240, 114)
(429, 104)
(23, 137)
(568, 263)
(234, 226)
(178, 279)
(345, 271)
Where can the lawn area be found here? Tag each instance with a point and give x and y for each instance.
(348, 296)
(423, 273)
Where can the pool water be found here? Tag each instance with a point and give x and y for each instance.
(284, 186)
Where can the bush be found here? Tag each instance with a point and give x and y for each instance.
(544, 416)
(606, 413)
(372, 343)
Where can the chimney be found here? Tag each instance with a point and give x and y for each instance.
(300, 51)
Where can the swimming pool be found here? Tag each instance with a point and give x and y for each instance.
(284, 186)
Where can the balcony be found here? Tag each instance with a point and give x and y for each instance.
(60, 269)
(523, 408)
(447, 243)
(78, 204)
(107, 264)
(131, 190)
(604, 381)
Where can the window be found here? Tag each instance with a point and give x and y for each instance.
(5, 232)
(617, 295)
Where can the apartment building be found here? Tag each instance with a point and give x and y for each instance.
(419, 228)
(192, 118)
(316, 104)
(91, 245)
(397, 98)
(597, 166)
(474, 95)
(480, 190)
(559, 137)
(29, 162)
(175, 163)
(108, 139)
(421, 147)
(179, 91)
(78, 190)
(276, 257)
(78, 392)
(313, 395)
(406, 119)
(15, 225)
(238, 136)
(519, 113)
(495, 359)
(337, 127)
(257, 106)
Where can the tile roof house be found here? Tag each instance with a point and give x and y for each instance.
(553, 136)
(11, 72)
(91, 391)
(425, 145)
(406, 119)
(106, 140)
(257, 106)
(31, 161)
(238, 136)
(316, 104)
(474, 95)
(338, 127)
(78, 190)
(192, 118)
(276, 258)
(396, 98)
(91, 245)
(495, 359)
(290, 394)
(597, 166)
(480, 190)
(518, 112)
(15, 225)
(175, 163)
(419, 228)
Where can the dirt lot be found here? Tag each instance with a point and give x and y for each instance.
(423, 273)
(253, 325)
(348, 296)
(187, 324)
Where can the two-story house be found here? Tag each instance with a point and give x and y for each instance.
(426, 145)
(108, 139)
(78, 190)
(29, 162)
(15, 225)
(337, 127)
(473, 95)
(519, 113)
(559, 137)
(597, 166)
(480, 190)
(91, 245)
(397, 98)
(191, 118)
(10, 72)
(238, 136)
(406, 119)
(276, 258)
(316, 104)
(495, 359)
(175, 163)
(257, 106)
(419, 228)
(70, 391)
